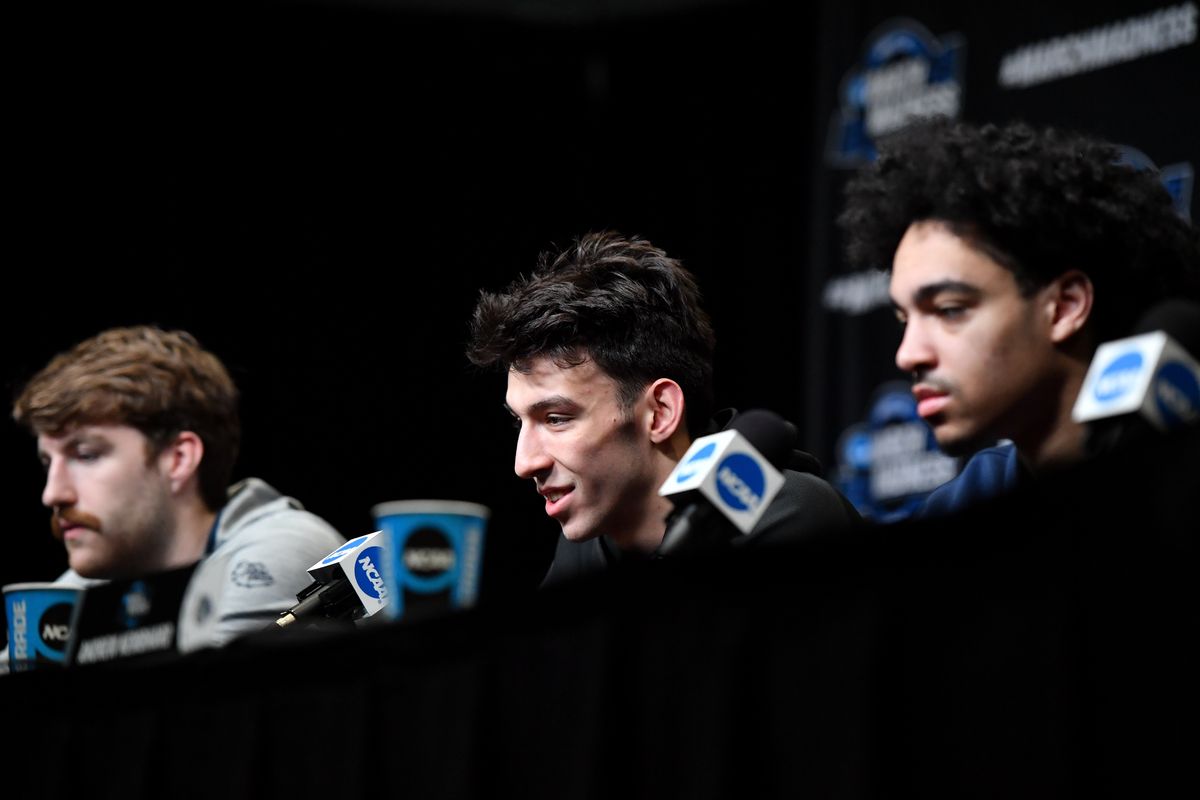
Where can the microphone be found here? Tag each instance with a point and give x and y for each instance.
(725, 482)
(347, 584)
(1146, 383)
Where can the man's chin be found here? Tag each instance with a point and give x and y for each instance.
(960, 444)
(577, 534)
(90, 568)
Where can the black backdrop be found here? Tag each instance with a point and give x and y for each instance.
(318, 191)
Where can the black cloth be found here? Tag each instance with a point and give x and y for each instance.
(806, 506)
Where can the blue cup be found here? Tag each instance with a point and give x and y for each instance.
(434, 555)
(39, 623)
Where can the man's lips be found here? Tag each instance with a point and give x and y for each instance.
(556, 498)
(930, 400)
(69, 524)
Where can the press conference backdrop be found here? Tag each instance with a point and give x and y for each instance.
(317, 190)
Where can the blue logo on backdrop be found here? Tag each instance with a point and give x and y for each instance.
(741, 482)
(1118, 377)
(367, 574)
(703, 454)
(1177, 394)
(890, 462)
(906, 74)
(350, 545)
(1177, 179)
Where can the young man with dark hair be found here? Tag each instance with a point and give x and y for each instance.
(138, 431)
(609, 360)
(1014, 253)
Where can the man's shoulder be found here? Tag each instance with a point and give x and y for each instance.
(807, 504)
(256, 512)
(989, 473)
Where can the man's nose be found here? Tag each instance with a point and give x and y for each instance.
(531, 457)
(916, 352)
(59, 489)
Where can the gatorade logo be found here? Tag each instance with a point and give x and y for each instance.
(1118, 377)
(741, 482)
(20, 643)
(337, 554)
(688, 469)
(1177, 394)
(367, 575)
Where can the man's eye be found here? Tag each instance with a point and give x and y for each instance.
(951, 312)
(516, 423)
(556, 419)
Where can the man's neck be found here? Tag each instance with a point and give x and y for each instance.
(1062, 440)
(193, 525)
(648, 534)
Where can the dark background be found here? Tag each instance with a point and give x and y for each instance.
(318, 191)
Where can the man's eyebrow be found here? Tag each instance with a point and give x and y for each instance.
(932, 290)
(554, 401)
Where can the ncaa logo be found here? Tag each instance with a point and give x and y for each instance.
(337, 554)
(367, 574)
(1118, 377)
(1177, 394)
(689, 467)
(740, 482)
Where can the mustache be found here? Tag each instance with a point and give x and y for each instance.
(71, 516)
(932, 381)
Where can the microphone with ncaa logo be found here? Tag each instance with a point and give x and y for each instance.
(347, 584)
(1144, 383)
(724, 482)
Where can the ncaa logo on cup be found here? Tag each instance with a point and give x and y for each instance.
(1118, 377)
(367, 575)
(1177, 394)
(741, 482)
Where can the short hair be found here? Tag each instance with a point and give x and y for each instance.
(1039, 202)
(621, 302)
(159, 382)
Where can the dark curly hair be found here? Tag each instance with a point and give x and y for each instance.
(1039, 202)
(621, 302)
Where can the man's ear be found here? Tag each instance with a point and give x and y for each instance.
(180, 460)
(666, 404)
(1069, 304)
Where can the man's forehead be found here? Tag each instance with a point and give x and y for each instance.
(931, 258)
(85, 432)
(542, 380)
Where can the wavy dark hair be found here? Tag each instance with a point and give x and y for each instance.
(621, 302)
(159, 382)
(1039, 202)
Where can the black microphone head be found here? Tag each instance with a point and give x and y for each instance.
(1176, 317)
(771, 434)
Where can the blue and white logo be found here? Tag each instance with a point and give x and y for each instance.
(1118, 377)
(689, 467)
(906, 74)
(1177, 394)
(367, 574)
(341, 551)
(1177, 179)
(741, 482)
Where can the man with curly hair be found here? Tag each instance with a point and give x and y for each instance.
(609, 362)
(137, 429)
(1014, 252)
